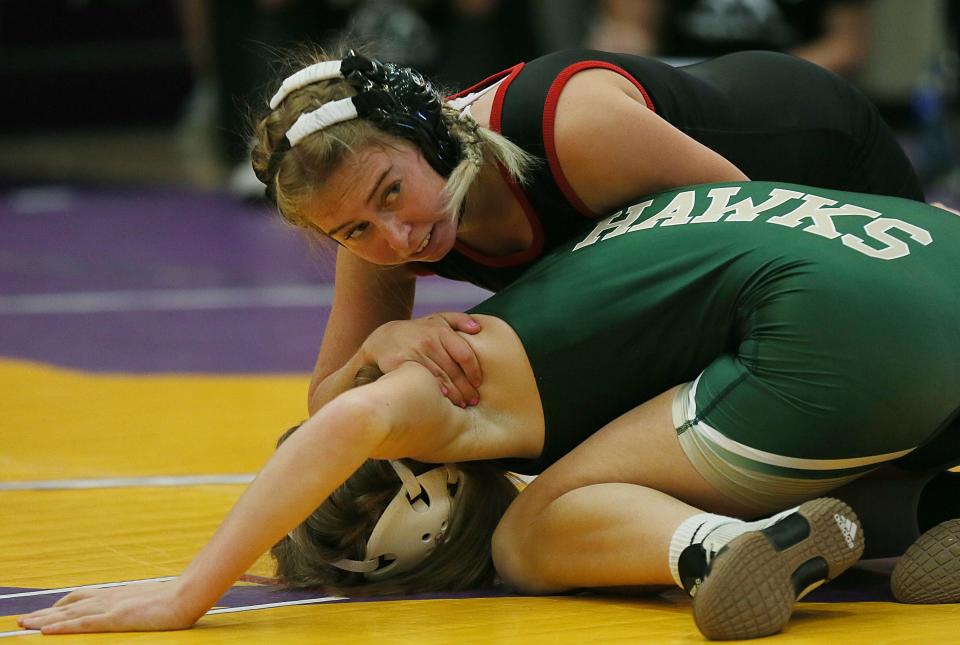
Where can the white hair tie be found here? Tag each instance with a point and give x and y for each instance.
(314, 73)
(395, 99)
(323, 117)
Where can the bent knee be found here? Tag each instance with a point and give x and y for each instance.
(517, 561)
(506, 559)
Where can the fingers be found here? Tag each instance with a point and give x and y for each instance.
(61, 619)
(467, 375)
(453, 383)
(434, 343)
(44, 614)
(30, 620)
(441, 370)
(72, 597)
(464, 369)
(451, 360)
(461, 322)
(96, 623)
(148, 607)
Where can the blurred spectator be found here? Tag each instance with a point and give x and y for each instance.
(481, 37)
(935, 109)
(233, 44)
(233, 47)
(561, 24)
(67, 64)
(952, 56)
(831, 33)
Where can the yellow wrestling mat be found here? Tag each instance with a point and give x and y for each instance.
(111, 478)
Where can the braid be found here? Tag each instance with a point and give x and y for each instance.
(468, 132)
(480, 145)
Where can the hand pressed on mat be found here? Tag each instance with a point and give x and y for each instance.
(154, 606)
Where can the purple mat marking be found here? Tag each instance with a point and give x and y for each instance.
(61, 239)
(57, 240)
(242, 596)
(224, 340)
(73, 241)
(854, 586)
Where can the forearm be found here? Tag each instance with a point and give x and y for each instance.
(365, 297)
(306, 469)
(326, 386)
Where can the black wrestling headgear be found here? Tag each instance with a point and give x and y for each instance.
(398, 100)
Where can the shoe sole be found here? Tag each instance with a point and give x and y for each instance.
(755, 580)
(929, 572)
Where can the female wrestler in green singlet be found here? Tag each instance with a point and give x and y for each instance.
(738, 348)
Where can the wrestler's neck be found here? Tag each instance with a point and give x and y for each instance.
(493, 221)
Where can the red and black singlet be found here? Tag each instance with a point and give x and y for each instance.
(776, 117)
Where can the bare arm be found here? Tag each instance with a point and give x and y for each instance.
(365, 296)
(401, 415)
(297, 478)
(624, 150)
(369, 324)
(421, 424)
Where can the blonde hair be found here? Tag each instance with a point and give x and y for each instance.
(302, 169)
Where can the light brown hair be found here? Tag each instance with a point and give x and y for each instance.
(340, 527)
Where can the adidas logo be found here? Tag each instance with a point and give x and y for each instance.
(693, 565)
(849, 529)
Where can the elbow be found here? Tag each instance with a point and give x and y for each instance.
(357, 418)
(321, 390)
(313, 392)
(315, 397)
(506, 558)
(312, 404)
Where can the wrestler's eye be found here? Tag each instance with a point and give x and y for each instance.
(391, 194)
(356, 231)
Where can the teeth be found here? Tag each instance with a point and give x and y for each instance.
(423, 244)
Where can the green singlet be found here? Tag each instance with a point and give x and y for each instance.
(818, 331)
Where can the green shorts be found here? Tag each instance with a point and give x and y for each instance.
(839, 363)
(819, 331)
(763, 480)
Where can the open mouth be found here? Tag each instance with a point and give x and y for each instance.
(424, 243)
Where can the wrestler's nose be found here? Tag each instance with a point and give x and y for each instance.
(399, 236)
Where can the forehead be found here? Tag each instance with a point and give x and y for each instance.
(350, 183)
(358, 168)
(346, 189)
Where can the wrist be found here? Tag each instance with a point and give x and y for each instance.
(363, 357)
(190, 599)
(322, 391)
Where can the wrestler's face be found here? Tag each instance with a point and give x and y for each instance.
(386, 205)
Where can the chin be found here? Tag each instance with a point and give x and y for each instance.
(434, 258)
(442, 252)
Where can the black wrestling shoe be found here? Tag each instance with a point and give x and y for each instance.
(929, 571)
(748, 587)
